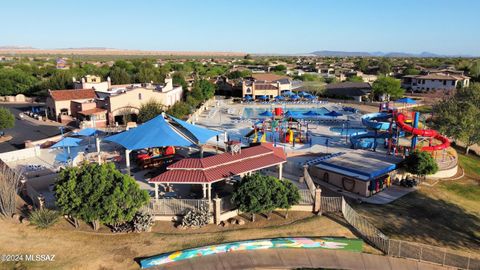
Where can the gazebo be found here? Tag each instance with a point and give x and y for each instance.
(159, 132)
(209, 170)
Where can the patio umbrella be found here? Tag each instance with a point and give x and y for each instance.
(311, 113)
(67, 142)
(294, 97)
(88, 132)
(287, 93)
(266, 113)
(263, 97)
(280, 98)
(406, 100)
(333, 114)
(303, 94)
(308, 96)
(249, 98)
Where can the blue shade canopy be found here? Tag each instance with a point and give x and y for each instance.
(65, 156)
(291, 114)
(247, 97)
(200, 134)
(294, 97)
(287, 93)
(87, 132)
(333, 114)
(311, 113)
(154, 133)
(308, 96)
(406, 100)
(303, 93)
(279, 98)
(67, 142)
(266, 113)
(262, 97)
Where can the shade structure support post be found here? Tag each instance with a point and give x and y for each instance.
(280, 171)
(156, 191)
(127, 160)
(201, 151)
(204, 188)
(209, 191)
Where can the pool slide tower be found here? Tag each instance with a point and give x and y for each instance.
(391, 124)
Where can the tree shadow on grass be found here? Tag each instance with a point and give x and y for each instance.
(420, 218)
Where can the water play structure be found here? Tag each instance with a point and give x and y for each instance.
(399, 130)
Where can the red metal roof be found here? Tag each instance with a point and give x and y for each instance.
(257, 157)
(225, 158)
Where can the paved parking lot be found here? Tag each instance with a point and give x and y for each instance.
(28, 129)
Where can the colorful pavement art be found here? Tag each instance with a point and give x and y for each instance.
(294, 242)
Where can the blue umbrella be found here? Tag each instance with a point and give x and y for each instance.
(302, 94)
(311, 113)
(263, 97)
(247, 97)
(266, 113)
(333, 114)
(294, 97)
(67, 142)
(88, 132)
(287, 93)
(279, 98)
(309, 96)
(406, 100)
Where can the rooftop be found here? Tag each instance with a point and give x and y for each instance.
(218, 167)
(270, 77)
(73, 94)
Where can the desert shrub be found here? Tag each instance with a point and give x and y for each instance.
(44, 218)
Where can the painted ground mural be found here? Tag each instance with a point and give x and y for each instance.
(290, 242)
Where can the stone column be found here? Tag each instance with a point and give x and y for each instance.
(217, 210)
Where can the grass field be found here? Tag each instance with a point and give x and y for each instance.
(447, 214)
(84, 249)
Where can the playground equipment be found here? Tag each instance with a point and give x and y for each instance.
(278, 127)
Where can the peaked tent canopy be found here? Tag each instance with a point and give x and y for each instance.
(67, 142)
(311, 113)
(294, 97)
(248, 97)
(263, 97)
(201, 135)
(280, 98)
(266, 113)
(333, 114)
(406, 100)
(87, 132)
(154, 133)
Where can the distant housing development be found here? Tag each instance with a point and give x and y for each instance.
(96, 103)
(436, 80)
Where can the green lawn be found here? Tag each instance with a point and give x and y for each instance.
(470, 163)
(423, 109)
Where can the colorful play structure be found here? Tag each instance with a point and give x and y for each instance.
(278, 127)
(347, 244)
(400, 131)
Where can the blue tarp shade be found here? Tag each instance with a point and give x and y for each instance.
(154, 133)
(266, 113)
(247, 97)
(309, 96)
(87, 132)
(279, 98)
(65, 156)
(201, 134)
(302, 94)
(263, 97)
(311, 113)
(67, 142)
(333, 114)
(406, 100)
(287, 93)
(294, 97)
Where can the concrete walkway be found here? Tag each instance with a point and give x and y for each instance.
(294, 258)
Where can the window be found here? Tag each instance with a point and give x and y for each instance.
(444, 82)
(139, 96)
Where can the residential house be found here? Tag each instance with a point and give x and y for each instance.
(435, 80)
(357, 91)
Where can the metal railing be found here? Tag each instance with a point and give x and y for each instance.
(306, 197)
(170, 207)
(398, 248)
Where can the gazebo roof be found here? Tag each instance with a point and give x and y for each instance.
(218, 167)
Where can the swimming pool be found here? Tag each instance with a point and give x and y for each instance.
(349, 131)
(254, 112)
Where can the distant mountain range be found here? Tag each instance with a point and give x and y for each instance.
(381, 54)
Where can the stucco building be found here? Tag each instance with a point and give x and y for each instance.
(436, 80)
(266, 84)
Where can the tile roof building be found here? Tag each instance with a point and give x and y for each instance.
(266, 84)
(355, 90)
(220, 167)
(436, 80)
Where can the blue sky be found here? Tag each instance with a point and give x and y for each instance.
(255, 26)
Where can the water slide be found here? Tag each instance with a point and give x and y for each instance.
(374, 121)
(424, 133)
(377, 121)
